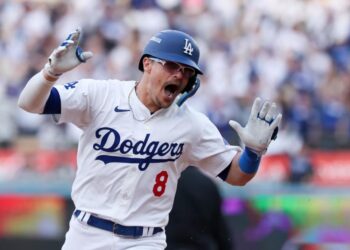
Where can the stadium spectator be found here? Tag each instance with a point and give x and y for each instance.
(293, 52)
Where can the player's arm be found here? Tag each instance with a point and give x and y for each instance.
(39, 96)
(261, 128)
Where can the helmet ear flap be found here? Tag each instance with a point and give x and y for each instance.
(190, 90)
(190, 83)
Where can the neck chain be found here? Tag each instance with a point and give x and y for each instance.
(129, 103)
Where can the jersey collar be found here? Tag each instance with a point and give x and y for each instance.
(140, 111)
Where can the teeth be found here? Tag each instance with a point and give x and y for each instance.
(168, 93)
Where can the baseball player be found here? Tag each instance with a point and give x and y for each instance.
(138, 136)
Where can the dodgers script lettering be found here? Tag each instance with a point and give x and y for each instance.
(110, 141)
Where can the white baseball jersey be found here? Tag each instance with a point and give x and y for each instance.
(129, 160)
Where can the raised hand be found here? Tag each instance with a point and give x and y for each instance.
(261, 128)
(67, 56)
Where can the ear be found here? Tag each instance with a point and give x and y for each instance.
(147, 64)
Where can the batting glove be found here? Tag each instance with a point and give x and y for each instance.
(66, 57)
(261, 128)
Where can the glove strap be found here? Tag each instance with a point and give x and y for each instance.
(249, 161)
(79, 54)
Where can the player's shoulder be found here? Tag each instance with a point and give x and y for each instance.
(108, 84)
(192, 115)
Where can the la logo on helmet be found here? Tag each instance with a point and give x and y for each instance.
(188, 47)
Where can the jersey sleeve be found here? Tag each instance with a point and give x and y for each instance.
(210, 151)
(78, 100)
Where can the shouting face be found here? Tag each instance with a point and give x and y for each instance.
(163, 82)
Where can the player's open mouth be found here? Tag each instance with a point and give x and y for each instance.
(171, 90)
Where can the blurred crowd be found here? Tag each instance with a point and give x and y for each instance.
(294, 52)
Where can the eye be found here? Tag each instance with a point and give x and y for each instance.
(172, 67)
(189, 72)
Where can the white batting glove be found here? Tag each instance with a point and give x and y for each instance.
(66, 57)
(261, 128)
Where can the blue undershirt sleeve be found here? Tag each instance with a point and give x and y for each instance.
(53, 103)
(223, 174)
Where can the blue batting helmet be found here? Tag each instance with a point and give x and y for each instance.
(175, 46)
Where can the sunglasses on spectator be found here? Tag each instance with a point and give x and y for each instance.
(173, 68)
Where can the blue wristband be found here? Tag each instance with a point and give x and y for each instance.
(249, 161)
